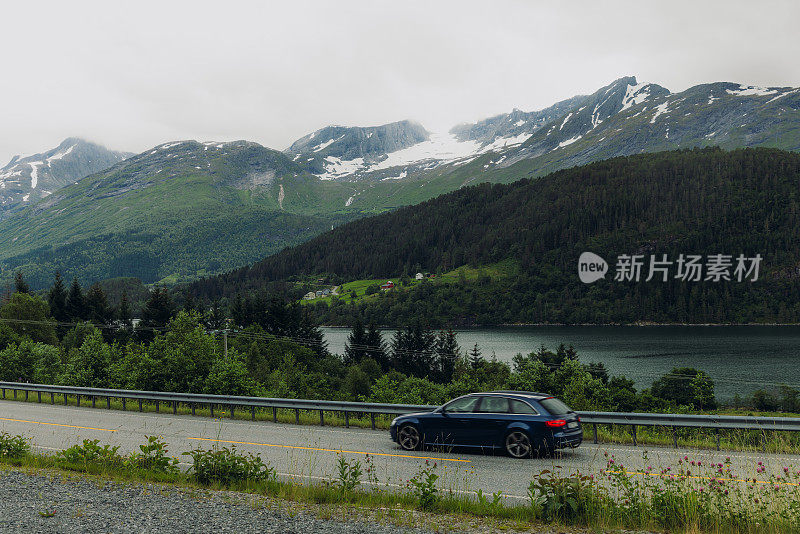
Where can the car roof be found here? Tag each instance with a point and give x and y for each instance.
(526, 394)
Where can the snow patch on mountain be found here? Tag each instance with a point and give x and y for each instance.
(635, 94)
(568, 142)
(59, 155)
(34, 174)
(660, 110)
(751, 90)
(326, 144)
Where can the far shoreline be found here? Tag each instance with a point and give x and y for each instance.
(637, 324)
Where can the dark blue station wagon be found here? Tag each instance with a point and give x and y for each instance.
(521, 423)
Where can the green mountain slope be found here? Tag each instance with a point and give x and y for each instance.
(681, 202)
(177, 211)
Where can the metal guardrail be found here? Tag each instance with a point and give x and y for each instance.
(633, 420)
(194, 400)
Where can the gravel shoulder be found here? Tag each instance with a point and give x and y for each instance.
(88, 504)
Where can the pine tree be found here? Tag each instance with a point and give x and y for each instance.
(355, 347)
(124, 311)
(376, 347)
(447, 353)
(156, 314)
(189, 302)
(124, 322)
(413, 350)
(475, 357)
(57, 298)
(76, 303)
(97, 305)
(20, 285)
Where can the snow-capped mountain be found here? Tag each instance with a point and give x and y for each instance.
(26, 179)
(340, 151)
(610, 122)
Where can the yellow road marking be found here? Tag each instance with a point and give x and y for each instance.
(334, 450)
(56, 424)
(693, 477)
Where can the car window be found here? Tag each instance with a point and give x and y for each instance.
(493, 405)
(462, 405)
(517, 406)
(555, 406)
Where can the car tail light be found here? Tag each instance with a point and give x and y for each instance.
(555, 423)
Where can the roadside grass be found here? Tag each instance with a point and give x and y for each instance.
(687, 497)
(695, 438)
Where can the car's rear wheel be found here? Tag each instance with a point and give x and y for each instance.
(518, 444)
(409, 437)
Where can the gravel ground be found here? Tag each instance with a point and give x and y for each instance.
(85, 504)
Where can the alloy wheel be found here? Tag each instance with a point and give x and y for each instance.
(409, 438)
(518, 445)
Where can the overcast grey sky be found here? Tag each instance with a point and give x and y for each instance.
(135, 74)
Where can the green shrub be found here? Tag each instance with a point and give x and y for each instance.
(13, 446)
(90, 453)
(349, 474)
(153, 457)
(225, 466)
(423, 485)
(556, 498)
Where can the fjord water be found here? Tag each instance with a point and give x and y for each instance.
(740, 359)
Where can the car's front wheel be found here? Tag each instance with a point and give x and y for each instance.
(518, 444)
(409, 437)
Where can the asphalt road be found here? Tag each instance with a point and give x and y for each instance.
(310, 452)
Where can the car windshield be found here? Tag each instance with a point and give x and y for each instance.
(555, 406)
(464, 404)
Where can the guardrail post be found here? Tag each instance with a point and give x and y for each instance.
(157, 403)
(52, 398)
(108, 403)
(211, 407)
(231, 411)
(39, 396)
(65, 399)
(94, 400)
(634, 434)
(274, 414)
(174, 408)
(140, 405)
(716, 432)
(124, 407)
(321, 418)
(26, 395)
(77, 400)
(372, 419)
(675, 437)
(296, 416)
(594, 431)
(15, 394)
(347, 419)
(193, 406)
(4, 393)
(253, 413)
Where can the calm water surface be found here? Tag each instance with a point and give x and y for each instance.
(740, 359)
